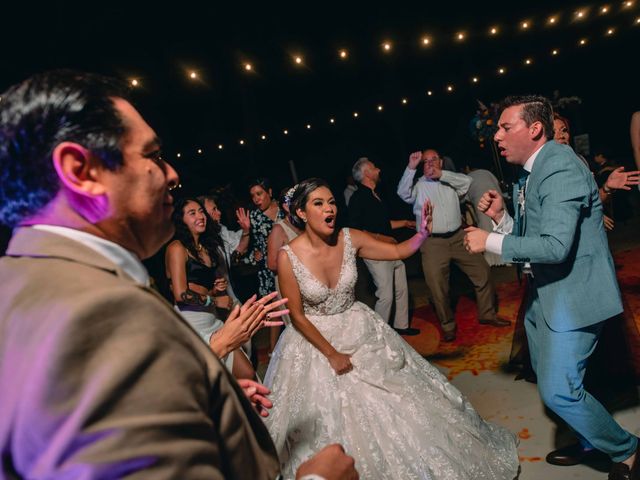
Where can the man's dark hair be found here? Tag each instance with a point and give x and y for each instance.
(42, 112)
(535, 108)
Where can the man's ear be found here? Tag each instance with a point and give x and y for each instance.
(536, 130)
(76, 169)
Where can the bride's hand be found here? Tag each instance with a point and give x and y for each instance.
(340, 362)
(426, 223)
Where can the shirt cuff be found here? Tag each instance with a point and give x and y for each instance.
(494, 243)
(505, 225)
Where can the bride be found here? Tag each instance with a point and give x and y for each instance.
(341, 374)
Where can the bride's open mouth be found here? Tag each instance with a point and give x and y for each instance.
(330, 221)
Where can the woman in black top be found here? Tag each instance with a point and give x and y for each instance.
(197, 275)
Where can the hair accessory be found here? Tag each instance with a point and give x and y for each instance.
(289, 195)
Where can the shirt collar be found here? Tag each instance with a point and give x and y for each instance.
(528, 165)
(122, 257)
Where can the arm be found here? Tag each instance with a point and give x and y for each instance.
(245, 225)
(634, 130)
(562, 194)
(340, 362)
(274, 242)
(395, 224)
(175, 260)
(618, 179)
(458, 181)
(369, 247)
(405, 187)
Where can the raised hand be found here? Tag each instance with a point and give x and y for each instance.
(426, 222)
(244, 220)
(492, 205)
(340, 362)
(620, 180)
(257, 395)
(414, 159)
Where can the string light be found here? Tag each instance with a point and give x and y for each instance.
(404, 101)
(449, 88)
(604, 9)
(343, 54)
(460, 36)
(355, 114)
(611, 31)
(380, 108)
(308, 126)
(193, 75)
(474, 79)
(220, 147)
(638, 21)
(178, 155)
(426, 41)
(332, 120)
(628, 4)
(493, 31)
(552, 20)
(580, 14)
(285, 132)
(501, 70)
(527, 61)
(554, 52)
(386, 46)
(248, 67)
(264, 137)
(297, 59)
(199, 151)
(525, 25)
(429, 92)
(134, 82)
(241, 142)
(583, 41)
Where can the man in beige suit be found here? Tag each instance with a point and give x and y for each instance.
(99, 376)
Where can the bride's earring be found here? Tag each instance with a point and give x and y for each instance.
(304, 220)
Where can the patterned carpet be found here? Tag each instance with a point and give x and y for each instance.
(480, 347)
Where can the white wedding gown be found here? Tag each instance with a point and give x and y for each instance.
(395, 413)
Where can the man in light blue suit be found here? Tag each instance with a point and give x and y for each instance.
(558, 239)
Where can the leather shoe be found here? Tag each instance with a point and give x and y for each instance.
(449, 336)
(571, 455)
(495, 322)
(620, 471)
(410, 332)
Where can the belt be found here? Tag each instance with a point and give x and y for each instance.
(446, 234)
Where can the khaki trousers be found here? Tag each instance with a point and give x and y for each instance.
(437, 255)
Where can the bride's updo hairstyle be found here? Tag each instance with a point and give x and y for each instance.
(300, 197)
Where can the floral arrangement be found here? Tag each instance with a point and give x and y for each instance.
(484, 124)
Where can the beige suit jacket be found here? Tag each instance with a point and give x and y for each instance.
(101, 378)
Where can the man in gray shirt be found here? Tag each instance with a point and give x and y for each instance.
(445, 244)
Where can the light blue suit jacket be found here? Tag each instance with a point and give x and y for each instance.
(565, 242)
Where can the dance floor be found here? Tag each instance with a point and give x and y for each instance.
(476, 363)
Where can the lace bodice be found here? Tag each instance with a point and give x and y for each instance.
(318, 298)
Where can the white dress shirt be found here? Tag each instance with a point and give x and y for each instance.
(123, 258)
(505, 226)
(444, 194)
(230, 240)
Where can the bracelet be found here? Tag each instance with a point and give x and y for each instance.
(246, 234)
(209, 301)
(606, 189)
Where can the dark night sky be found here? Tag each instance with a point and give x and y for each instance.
(157, 45)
